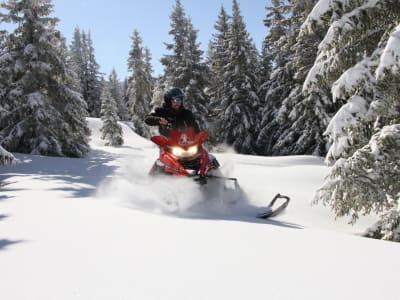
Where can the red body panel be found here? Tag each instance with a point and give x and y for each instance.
(184, 140)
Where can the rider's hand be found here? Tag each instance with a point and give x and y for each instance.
(163, 122)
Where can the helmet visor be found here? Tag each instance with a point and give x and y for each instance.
(177, 99)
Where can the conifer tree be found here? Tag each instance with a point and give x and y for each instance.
(158, 93)
(184, 68)
(116, 93)
(140, 84)
(93, 82)
(216, 62)
(365, 131)
(239, 107)
(276, 83)
(111, 130)
(173, 63)
(195, 72)
(44, 115)
(82, 60)
(217, 57)
(291, 124)
(76, 61)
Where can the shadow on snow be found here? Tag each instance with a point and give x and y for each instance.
(4, 243)
(81, 176)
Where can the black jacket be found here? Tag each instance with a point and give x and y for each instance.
(180, 119)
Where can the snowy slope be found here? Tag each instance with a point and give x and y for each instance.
(99, 228)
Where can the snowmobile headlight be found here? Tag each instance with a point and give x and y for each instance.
(179, 152)
(192, 150)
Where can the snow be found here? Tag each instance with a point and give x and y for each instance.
(346, 117)
(325, 58)
(5, 156)
(390, 59)
(95, 228)
(319, 10)
(353, 78)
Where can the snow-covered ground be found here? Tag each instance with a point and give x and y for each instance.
(100, 228)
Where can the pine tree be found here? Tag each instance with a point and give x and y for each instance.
(111, 130)
(158, 93)
(366, 130)
(216, 62)
(76, 61)
(44, 115)
(140, 84)
(241, 102)
(82, 60)
(184, 67)
(298, 123)
(173, 63)
(195, 72)
(277, 83)
(116, 93)
(92, 82)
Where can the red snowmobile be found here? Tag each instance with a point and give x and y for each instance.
(183, 154)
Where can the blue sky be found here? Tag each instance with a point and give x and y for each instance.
(112, 23)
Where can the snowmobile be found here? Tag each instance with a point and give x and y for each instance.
(183, 154)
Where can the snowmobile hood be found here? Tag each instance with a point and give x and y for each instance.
(182, 139)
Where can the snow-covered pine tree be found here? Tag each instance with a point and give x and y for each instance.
(158, 93)
(184, 67)
(173, 63)
(140, 84)
(111, 130)
(241, 102)
(93, 82)
(125, 95)
(277, 83)
(5, 156)
(216, 61)
(44, 115)
(366, 130)
(368, 25)
(271, 56)
(82, 60)
(195, 72)
(352, 36)
(289, 123)
(116, 92)
(75, 60)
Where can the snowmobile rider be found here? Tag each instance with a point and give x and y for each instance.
(172, 114)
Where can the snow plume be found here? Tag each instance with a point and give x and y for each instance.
(133, 187)
(183, 197)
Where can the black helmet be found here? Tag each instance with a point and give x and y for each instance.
(172, 93)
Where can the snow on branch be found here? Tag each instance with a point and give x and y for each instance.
(6, 157)
(359, 75)
(327, 58)
(321, 9)
(347, 116)
(390, 59)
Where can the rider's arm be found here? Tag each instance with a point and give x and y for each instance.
(155, 119)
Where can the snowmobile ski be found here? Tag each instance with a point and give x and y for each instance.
(272, 211)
